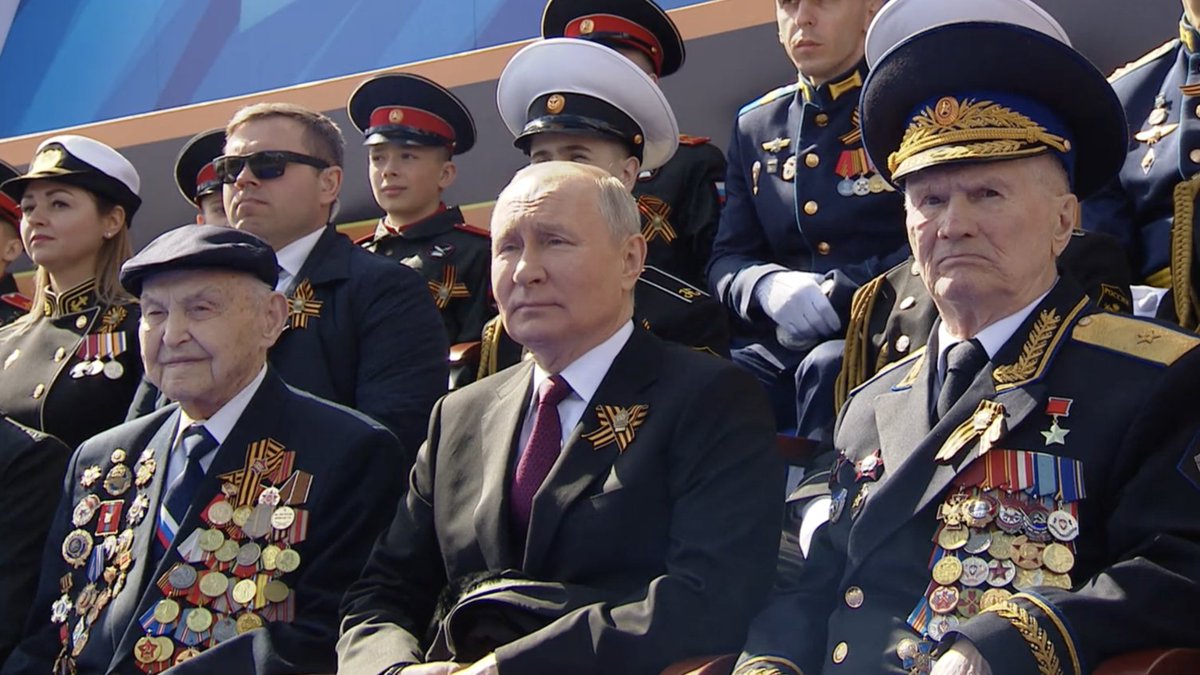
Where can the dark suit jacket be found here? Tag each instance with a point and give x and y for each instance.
(677, 532)
(32, 465)
(378, 346)
(356, 481)
(1131, 426)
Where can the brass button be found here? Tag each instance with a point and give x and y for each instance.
(854, 597)
(81, 322)
(1198, 111)
(840, 652)
(810, 207)
(821, 119)
(908, 302)
(39, 390)
(1194, 155)
(59, 354)
(903, 343)
(1085, 321)
(823, 248)
(811, 160)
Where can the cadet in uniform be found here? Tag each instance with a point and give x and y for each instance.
(70, 366)
(219, 533)
(197, 179)
(1019, 496)
(679, 200)
(568, 99)
(808, 218)
(413, 128)
(12, 303)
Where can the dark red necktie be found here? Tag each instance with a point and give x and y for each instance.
(540, 452)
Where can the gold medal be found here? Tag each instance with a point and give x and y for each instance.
(241, 515)
(220, 513)
(1001, 548)
(118, 480)
(270, 557)
(276, 591)
(214, 584)
(1028, 556)
(953, 538)
(994, 596)
(145, 471)
(283, 517)
(117, 456)
(76, 547)
(1027, 579)
(166, 611)
(248, 622)
(199, 620)
(165, 648)
(147, 650)
(228, 551)
(211, 540)
(1053, 580)
(289, 561)
(947, 570)
(1058, 558)
(186, 655)
(244, 591)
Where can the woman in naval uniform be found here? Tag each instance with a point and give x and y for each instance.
(71, 365)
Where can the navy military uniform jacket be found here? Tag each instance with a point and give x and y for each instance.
(13, 305)
(454, 259)
(671, 530)
(680, 205)
(1161, 96)
(72, 372)
(801, 195)
(337, 473)
(363, 332)
(32, 464)
(1063, 484)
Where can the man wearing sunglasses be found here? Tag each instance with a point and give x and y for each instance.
(362, 330)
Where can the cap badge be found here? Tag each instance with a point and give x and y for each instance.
(637, 139)
(587, 26)
(555, 104)
(945, 112)
(49, 158)
(396, 116)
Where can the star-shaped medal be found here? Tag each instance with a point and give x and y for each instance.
(1056, 435)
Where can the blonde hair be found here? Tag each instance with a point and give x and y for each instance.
(321, 134)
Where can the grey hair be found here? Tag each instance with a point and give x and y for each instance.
(616, 205)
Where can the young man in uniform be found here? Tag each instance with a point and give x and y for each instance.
(197, 179)
(12, 303)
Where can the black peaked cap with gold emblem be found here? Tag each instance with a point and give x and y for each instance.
(633, 24)
(194, 172)
(201, 247)
(971, 91)
(10, 211)
(411, 110)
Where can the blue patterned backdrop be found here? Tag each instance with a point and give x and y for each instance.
(69, 62)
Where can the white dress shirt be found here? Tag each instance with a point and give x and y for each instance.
(292, 257)
(219, 426)
(992, 338)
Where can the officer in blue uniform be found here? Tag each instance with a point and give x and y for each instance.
(197, 178)
(413, 129)
(12, 303)
(678, 201)
(1150, 206)
(807, 218)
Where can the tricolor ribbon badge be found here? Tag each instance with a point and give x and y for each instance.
(617, 425)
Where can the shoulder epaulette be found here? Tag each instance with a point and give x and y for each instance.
(769, 96)
(466, 227)
(17, 300)
(1138, 338)
(1152, 55)
(912, 361)
(685, 139)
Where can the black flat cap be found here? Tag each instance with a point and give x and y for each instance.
(193, 247)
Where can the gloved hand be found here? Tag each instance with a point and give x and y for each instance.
(796, 303)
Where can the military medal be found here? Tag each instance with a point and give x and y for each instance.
(288, 561)
(860, 500)
(942, 624)
(110, 517)
(916, 657)
(118, 480)
(1159, 114)
(76, 548)
(862, 187)
(85, 510)
(953, 538)
(1054, 580)
(755, 172)
(1058, 558)
(225, 629)
(276, 591)
(1001, 573)
(214, 584)
(248, 622)
(944, 599)
(1057, 407)
(113, 370)
(974, 571)
(244, 592)
(947, 570)
(869, 467)
(789, 169)
(1027, 579)
(1062, 525)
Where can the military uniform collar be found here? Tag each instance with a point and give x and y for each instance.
(1189, 36)
(71, 301)
(836, 88)
(441, 221)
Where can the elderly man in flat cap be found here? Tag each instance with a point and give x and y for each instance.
(216, 534)
(1020, 495)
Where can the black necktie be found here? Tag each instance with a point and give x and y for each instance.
(963, 363)
(197, 444)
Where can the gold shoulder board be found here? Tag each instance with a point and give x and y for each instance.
(1168, 46)
(1135, 337)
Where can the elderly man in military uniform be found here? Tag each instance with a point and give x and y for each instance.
(1018, 496)
(12, 303)
(197, 179)
(414, 128)
(577, 100)
(218, 533)
(679, 201)
(1150, 206)
(808, 218)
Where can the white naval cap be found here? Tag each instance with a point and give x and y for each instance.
(565, 85)
(82, 161)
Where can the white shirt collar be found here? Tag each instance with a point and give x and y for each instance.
(992, 337)
(585, 373)
(221, 423)
(291, 257)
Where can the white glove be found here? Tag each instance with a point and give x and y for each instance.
(962, 659)
(796, 303)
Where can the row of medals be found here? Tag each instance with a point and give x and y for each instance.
(111, 368)
(254, 522)
(78, 546)
(991, 541)
(862, 186)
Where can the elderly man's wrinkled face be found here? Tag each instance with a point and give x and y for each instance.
(205, 334)
(986, 235)
(563, 280)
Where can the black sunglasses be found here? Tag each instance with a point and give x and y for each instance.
(266, 165)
